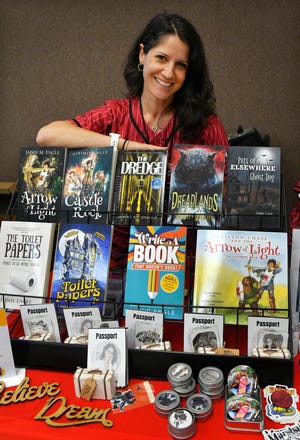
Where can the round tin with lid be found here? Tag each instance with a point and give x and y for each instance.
(211, 378)
(242, 379)
(182, 423)
(166, 401)
(180, 375)
(187, 390)
(201, 405)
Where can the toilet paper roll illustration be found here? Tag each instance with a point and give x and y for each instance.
(23, 279)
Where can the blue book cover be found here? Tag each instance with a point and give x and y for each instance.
(156, 270)
(81, 265)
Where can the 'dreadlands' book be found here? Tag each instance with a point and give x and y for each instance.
(156, 269)
(81, 265)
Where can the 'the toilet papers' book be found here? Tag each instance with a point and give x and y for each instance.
(25, 256)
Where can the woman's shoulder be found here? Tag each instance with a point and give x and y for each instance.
(121, 104)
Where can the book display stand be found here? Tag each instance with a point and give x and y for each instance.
(155, 364)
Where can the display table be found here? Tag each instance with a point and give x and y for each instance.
(17, 419)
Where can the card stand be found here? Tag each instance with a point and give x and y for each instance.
(250, 421)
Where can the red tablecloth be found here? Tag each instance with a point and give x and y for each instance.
(17, 419)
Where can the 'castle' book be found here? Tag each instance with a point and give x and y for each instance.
(40, 179)
(81, 265)
(156, 269)
(253, 187)
(139, 187)
(241, 273)
(196, 185)
(25, 257)
(88, 183)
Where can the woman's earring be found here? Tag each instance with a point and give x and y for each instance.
(140, 67)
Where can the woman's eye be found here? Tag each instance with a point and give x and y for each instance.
(182, 65)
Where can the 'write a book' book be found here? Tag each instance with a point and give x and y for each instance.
(25, 258)
(81, 265)
(252, 197)
(156, 269)
(40, 179)
(88, 183)
(196, 185)
(241, 273)
(139, 187)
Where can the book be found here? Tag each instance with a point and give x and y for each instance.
(26, 250)
(88, 183)
(143, 327)
(268, 336)
(7, 364)
(107, 350)
(81, 265)
(253, 187)
(40, 179)
(241, 273)
(196, 184)
(80, 319)
(202, 332)
(139, 188)
(40, 320)
(156, 269)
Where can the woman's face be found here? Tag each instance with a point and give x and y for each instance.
(165, 67)
(109, 354)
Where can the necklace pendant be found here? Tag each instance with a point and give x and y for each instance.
(155, 129)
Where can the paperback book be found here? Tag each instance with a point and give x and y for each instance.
(203, 333)
(241, 273)
(40, 179)
(196, 185)
(88, 183)
(139, 187)
(143, 327)
(81, 265)
(25, 258)
(40, 320)
(107, 350)
(156, 270)
(80, 319)
(253, 187)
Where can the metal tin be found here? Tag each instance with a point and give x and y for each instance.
(211, 381)
(187, 390)
(242, 379)
(166, 401)
(180, 375)
(213, 395)
(201, 405)
(182, 423)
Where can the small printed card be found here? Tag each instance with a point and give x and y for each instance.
(132, 397)
(40, 322)
(203, 333)
(143, 327)
(7, 365)
(107, 350)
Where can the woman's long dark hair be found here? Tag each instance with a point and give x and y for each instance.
(195, 100)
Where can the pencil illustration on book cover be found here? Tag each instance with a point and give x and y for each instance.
(81, 264)
(156, 268)
(243, 272)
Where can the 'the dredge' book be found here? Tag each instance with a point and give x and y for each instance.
(139, 187)
(156, 269)
(40, 178)
(81, 265)
(196, 186)
(237, 273)
(88, 184)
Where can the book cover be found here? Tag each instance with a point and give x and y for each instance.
(139, 189)
(26, 250)
(202, 332)
(156, 269)
(80, 319)
(267, 336)
(107, 350)
(143, 327)
(81, 265)
(253, 186)
(7, 364)
(40, 179)
(88, 182)
(38, 320)
(237, 273)
(196, 185)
